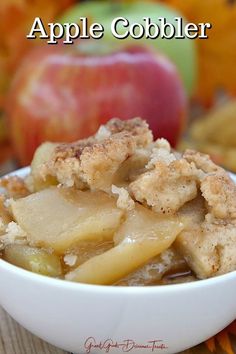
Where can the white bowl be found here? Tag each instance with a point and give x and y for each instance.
(83, 318)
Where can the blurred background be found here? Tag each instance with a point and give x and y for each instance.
(185, 88)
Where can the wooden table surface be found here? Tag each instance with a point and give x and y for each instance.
(14, 339)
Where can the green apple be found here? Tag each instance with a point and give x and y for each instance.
(181, 51)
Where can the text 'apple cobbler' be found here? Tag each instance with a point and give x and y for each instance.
(122, 209)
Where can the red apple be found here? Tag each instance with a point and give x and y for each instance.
(62, 94)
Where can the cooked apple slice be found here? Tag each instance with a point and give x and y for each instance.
(142, 236)
(167, 263)
(59, 218)
(42, 155)
(34, 259)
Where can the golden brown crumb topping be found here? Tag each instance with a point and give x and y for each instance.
(93, 162)
(137, 127)
(202, 161)
(219, 192)
(165, 184)
(166, 187)
(123, 160)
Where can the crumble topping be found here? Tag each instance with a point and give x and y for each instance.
(167, 187)
(99, 163)
(124, 200)
(122, 159)
(161, 152)
(14, 234)
(137, 127)
(219, 192)
(102, 133)
(202, 161)
(93, 162)
(70, 259)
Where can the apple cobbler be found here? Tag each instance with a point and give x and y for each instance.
(119, 208)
